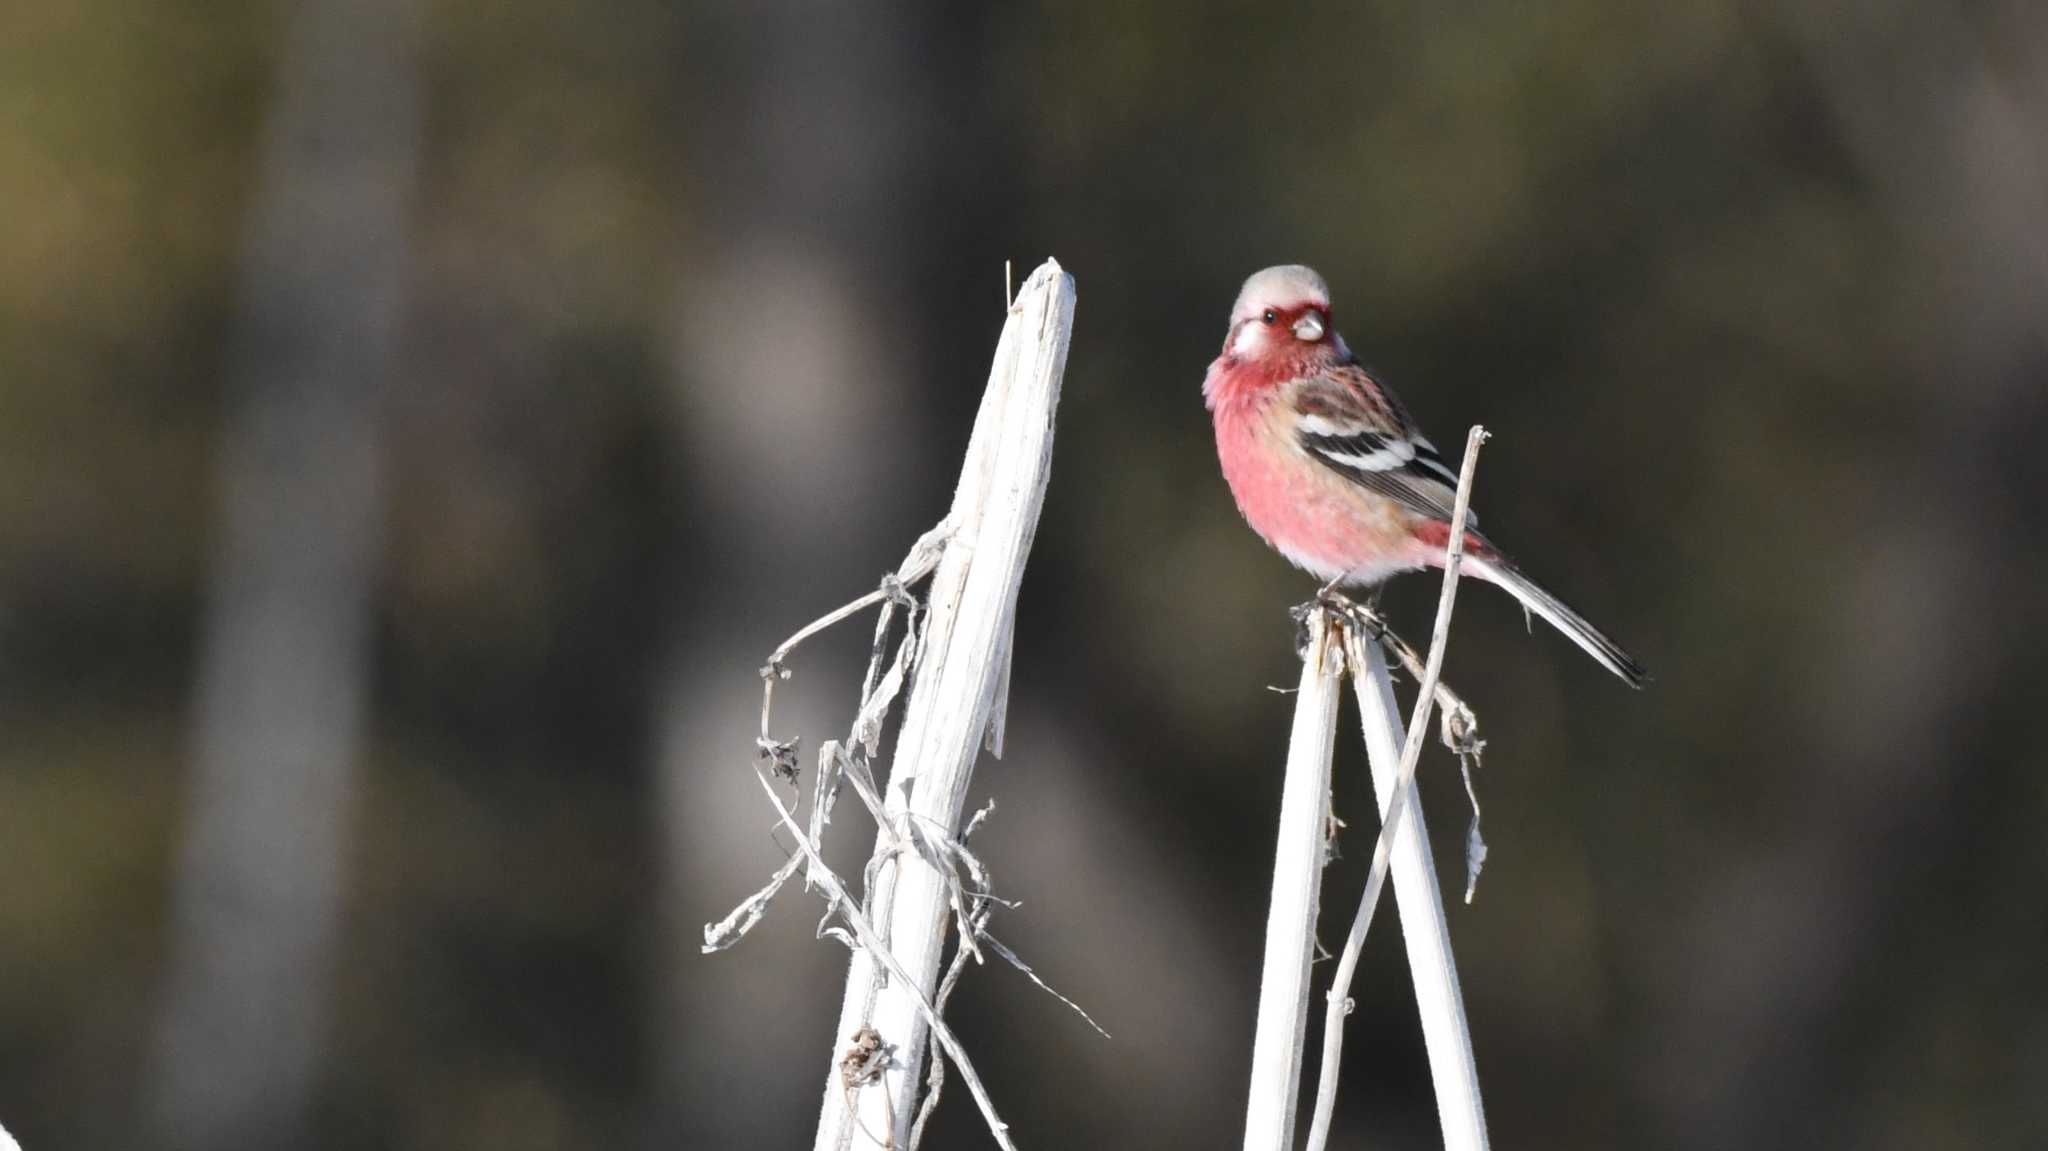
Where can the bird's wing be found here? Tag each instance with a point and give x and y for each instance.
(1353, 424)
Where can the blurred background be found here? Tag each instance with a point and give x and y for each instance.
(418, 421)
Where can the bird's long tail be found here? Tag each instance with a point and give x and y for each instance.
(1499, 571)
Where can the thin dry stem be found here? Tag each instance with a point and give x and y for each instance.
(872, 945)
(1411, 753)
(834, 763)
(935, 1079)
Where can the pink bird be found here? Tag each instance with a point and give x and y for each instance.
(1330, 469)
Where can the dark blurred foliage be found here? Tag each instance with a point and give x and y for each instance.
(698, 303)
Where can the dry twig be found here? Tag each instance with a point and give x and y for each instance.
(871, 944)
(1458, 1103)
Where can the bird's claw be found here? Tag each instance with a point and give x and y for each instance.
(1301, 613)
(1360, 618)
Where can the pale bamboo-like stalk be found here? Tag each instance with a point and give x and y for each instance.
(1403, 846)
(955, 703)
(1297, 878)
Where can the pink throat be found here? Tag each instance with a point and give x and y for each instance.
(1242, 380)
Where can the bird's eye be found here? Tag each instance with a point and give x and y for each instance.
(1271, 316)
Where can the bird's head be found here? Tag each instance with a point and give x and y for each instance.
(1280, 314)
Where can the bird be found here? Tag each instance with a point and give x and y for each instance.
(1328, 467)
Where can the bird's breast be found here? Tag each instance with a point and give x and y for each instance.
(1320, 521)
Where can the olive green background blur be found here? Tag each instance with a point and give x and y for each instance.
(439, 409)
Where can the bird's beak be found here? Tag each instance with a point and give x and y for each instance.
(1309, 328)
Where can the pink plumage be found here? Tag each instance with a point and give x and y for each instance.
(1330, 469)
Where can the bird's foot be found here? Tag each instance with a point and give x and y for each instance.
(1301, 613)
(1361, 618)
